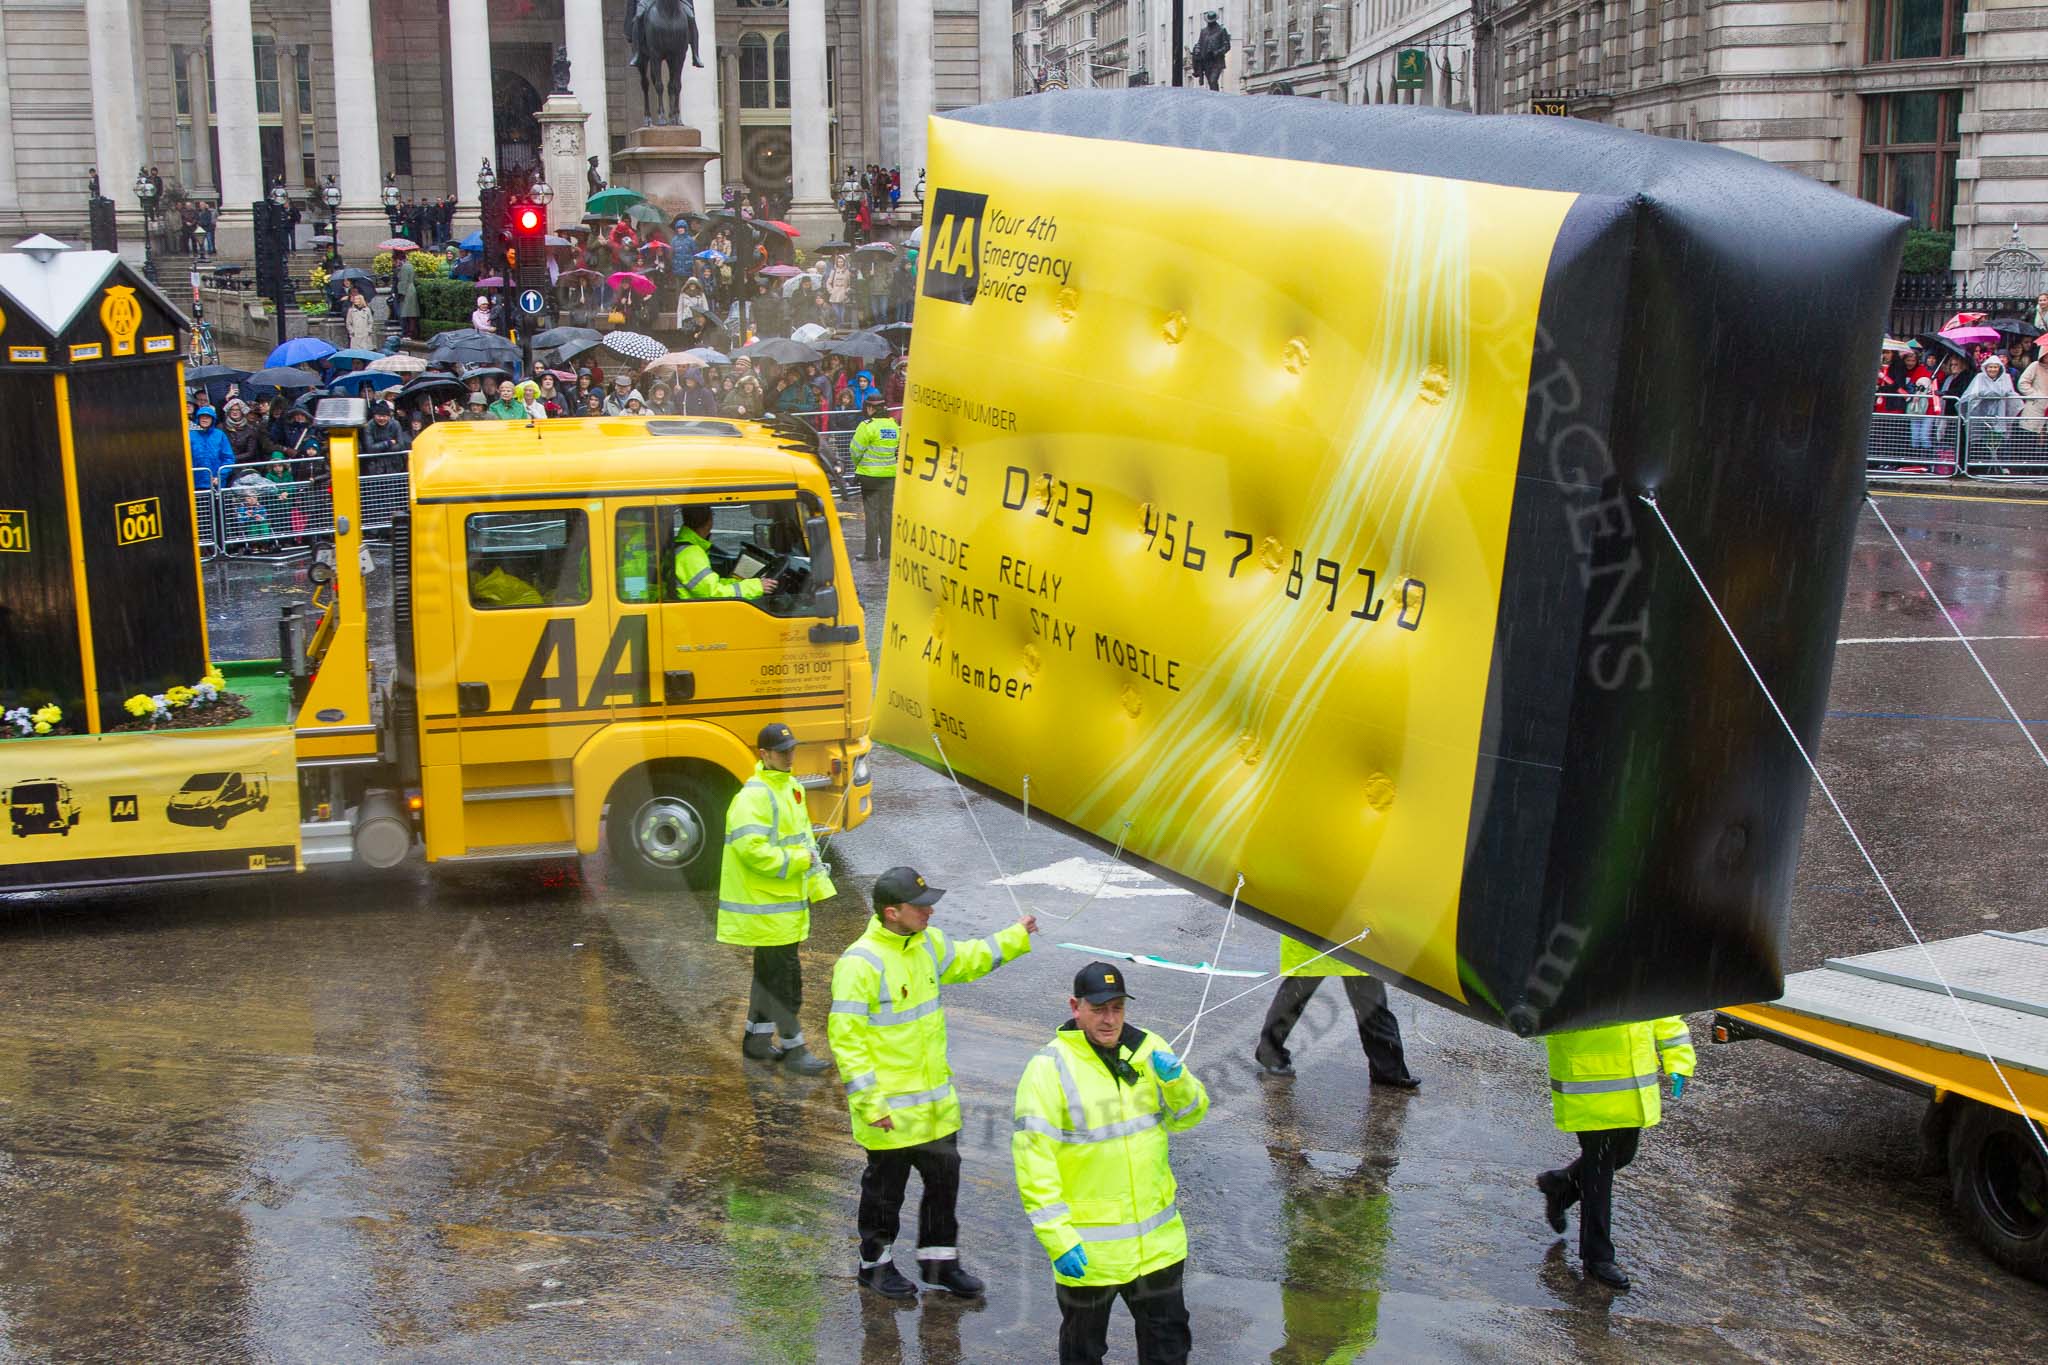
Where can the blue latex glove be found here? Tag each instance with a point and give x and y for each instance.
(1072, 1262)
(1677, 1086)
(1166, 1066)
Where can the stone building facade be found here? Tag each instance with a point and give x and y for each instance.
(223, 95)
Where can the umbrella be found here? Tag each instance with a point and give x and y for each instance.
(1935, 341)
(365, 379)
(1974, 336)
(780, 272)
(467, 346)
(571, 349)
(553, 240)
(915, 239)
(491, 282)
(562, 336)
(400, 364)
(874, 249)
(399, 245)
(2019, 328)
(573, 230)
(473, 242)
(352, 274)
(861, 346)
(811, 332)
(433, 383)
(322, 239)
(577, 276)
(831, 248)
(612, 202)
(353, 354)
(772, 225)
(782, 351)
(895, 333)
(627, 279)
(283, 377)
(644, 213)
(708, 356)
(299, 350)
(634, 345)
(1961, 320)
(207, 374)
(566, 376)
(676, 360)
(707, 254)
(1894, 344)
(469, 372)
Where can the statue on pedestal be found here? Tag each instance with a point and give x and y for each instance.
(1211, 45)
(661, 33)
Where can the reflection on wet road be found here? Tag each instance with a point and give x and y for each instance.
(438, 1119)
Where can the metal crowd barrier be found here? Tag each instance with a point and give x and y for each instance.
(261, 515)
(2005, 448)
(206, 513)
(1942, 445)
(832, 429)
(384, 495)
(1906, 445)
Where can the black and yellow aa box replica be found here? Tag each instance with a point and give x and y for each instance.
(99, 582)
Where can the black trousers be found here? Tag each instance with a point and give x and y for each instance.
(1378, 1031)
(1590, 1182)
(878, 506)
(881, 1198)
(1156, 1306)
(778, 992)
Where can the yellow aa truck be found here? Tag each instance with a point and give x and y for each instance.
(552, 686)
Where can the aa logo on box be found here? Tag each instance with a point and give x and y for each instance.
(952, 267)
(139, 520)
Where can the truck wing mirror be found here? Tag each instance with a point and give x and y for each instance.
(819, 536)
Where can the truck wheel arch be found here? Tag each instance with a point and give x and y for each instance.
(672, 745)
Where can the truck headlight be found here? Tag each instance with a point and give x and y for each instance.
(860, 771)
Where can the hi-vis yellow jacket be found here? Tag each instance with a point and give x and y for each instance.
(1091, 1155)
(1610, 1077)
(889, 1033)
(1294, 954)
(874, 448)
(696, 578)
(770, 873)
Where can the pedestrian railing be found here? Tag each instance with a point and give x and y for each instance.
(384, 496)
(2005, 448)
(832, 430)
(1942, 445)
(262, 514)
(1906, 445)
(206, 513)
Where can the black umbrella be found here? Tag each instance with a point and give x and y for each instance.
(576, 348)
(562, 336)
(831, 248)
(352, 274)
(782, 351)
(2012, 327)
(282, 377)
(895, 333)
(861, 346)
(469, 372)
(433, 383)
(206, 374)
(1935, 341)
(468, 346)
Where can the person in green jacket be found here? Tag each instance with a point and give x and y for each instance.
(507, 408)
(1093, 1112)
(694, 575)
(889, 1037)
(770, 877)
(1302, 969)
(1605, 1085)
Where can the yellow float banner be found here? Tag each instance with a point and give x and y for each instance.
(1203, 506)
(131, 807)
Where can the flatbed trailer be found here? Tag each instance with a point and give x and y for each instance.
(1886, 1016)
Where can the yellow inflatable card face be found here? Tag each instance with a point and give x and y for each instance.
(1202, 511)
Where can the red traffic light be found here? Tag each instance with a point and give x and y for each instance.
(528, 218)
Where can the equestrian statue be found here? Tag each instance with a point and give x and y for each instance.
(660, 32)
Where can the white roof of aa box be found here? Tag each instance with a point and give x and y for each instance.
(51, 280)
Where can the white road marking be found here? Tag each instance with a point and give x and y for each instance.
(1932, 639)
(1083, 877)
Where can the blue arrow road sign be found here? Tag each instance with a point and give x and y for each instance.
(531, 302)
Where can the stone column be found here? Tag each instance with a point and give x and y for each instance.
(810, 135)
(730, 156)
(234, 78)
(116, 119)
(913, 90)
(10, 189)
(562, 156)
(701, 102)
(202, 121)
(998, 72)
(289, 125)
(583, 34)
(360, 147)
(469, 96)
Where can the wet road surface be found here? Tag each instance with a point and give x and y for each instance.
(436, 1119)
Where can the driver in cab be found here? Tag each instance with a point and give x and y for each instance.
(694, 575)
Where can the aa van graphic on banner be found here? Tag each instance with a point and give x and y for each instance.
(952, 268)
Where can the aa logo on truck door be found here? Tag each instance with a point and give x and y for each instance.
(551, 674)
(952, 268)
(139, 520)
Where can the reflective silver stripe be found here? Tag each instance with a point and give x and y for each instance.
(767, 908)
(939, 964)
(1051, 1213)
(865, 954)
(739, 832)
(764, 1027)
(1117, 1231)
(848, 1007)
(1033, 1124)
(1603, 1087)
(873, 959)
(794, 1040)
(888, 1255)
(884, 1017)
(784, 873)
(1665, 1044)
(1183, 1113)
(938, 1253)
(1077, 1118)
(921, 1097)
(996, 947)
(698, 577)
(802, 836)
(866, 1080)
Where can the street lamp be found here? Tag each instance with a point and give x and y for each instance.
(146, 193)
(486, 178)
(330, 193)
(541, 192)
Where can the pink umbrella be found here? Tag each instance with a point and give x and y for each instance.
(398, 244)
(491, 282)
(1974, 336)
(626, 279)
(780, 272)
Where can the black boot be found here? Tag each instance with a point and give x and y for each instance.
(1608, 1273)
(1272, 1063)
(887, 1281)
(950, 1276)
(1557, 1197)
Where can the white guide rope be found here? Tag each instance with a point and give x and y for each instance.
(1267, 984)
(1942, 606)
(1811, 767)
(1217, 956)
(989, 848)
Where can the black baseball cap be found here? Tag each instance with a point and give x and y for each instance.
(905, 886)
(775, 736)
(1099, 983)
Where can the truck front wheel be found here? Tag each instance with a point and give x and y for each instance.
(667, 829)
(2000, 1182)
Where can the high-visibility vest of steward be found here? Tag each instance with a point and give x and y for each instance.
(889, 1033)
(1612, 1077)
(770, 873)
(1091, 1155)
(1299, 959)
(875, 442)
(696, 578)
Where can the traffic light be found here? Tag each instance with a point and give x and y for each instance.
(491, 206)
(271, 224)
(527, 227)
